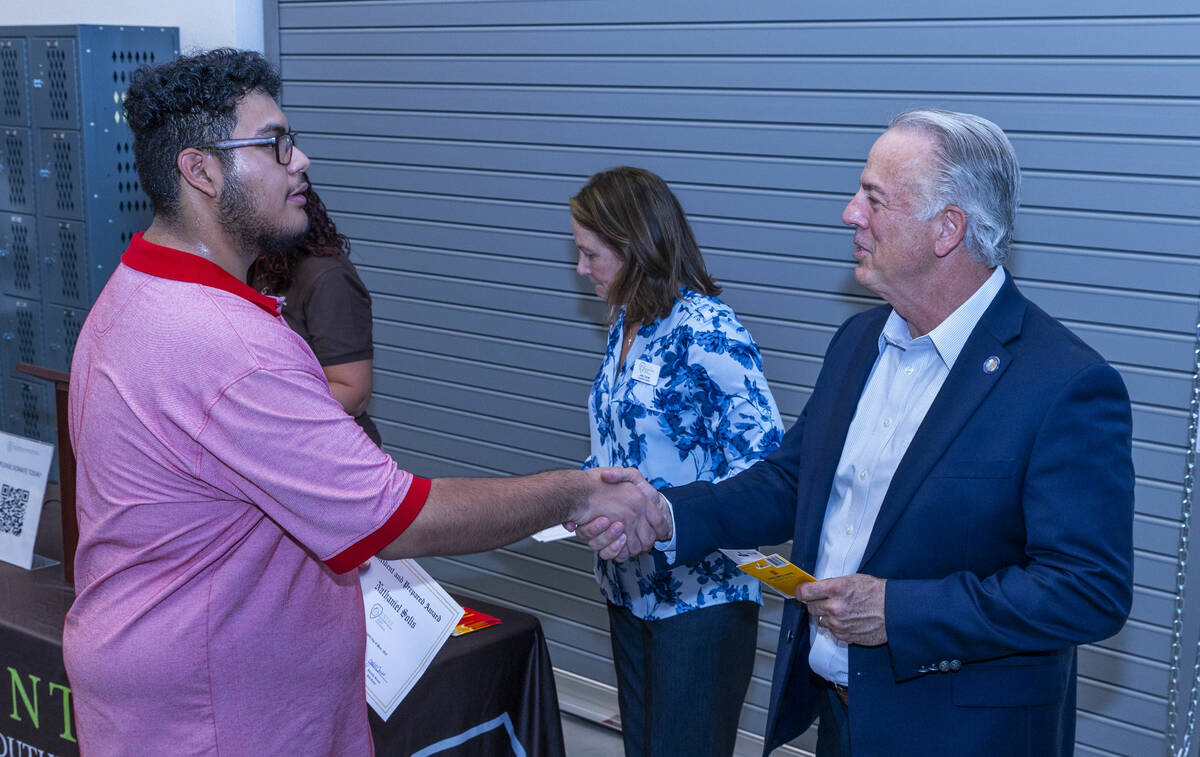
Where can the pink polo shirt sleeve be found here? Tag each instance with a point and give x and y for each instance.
(277, 438)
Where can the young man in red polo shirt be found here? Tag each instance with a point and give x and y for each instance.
(225, 497)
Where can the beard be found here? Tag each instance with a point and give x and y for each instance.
(252, 233)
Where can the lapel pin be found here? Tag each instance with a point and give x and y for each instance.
(991, 365)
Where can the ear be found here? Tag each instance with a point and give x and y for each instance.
(951, 228)
(201, 171)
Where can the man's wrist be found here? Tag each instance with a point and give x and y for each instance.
(580, 486)
(667, 546)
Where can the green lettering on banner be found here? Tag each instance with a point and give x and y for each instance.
(18, 686)
(66, 697)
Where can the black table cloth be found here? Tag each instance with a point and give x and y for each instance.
(490, 693)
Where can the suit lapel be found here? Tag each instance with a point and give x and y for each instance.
(960, 396)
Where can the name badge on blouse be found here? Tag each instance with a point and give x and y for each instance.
(647, 373)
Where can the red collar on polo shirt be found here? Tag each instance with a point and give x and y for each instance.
(177, 265)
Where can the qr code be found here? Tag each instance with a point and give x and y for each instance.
(12, 509)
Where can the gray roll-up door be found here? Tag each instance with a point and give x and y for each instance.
(447, 136)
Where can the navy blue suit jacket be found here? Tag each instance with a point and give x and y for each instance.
(1005, 538)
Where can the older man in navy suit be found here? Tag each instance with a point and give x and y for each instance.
(960, 481)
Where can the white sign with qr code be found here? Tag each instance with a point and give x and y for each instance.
(24, 467)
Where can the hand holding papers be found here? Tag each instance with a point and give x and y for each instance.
(409, 617)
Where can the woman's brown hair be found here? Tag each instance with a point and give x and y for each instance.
(635, 213)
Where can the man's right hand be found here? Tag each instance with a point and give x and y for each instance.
(462, 515)
(626, 515)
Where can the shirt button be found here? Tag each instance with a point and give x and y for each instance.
(908, 370)
(862, 475)
(887, 422)
(849, 530)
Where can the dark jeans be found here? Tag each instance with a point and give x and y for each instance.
(681, 680)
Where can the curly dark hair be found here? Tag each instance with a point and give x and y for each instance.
(273, 273)
(189, 101)
(636, 213)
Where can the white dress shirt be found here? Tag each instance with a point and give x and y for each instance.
(903, 383)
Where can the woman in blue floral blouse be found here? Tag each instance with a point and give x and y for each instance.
(681, 397)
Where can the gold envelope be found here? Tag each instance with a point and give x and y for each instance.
(778, 573)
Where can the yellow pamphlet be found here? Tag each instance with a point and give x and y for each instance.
(773, 570)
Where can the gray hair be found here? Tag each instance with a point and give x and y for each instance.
(974, 168)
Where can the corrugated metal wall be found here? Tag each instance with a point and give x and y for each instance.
(446, 138)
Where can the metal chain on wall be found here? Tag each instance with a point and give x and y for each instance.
(1179, 744)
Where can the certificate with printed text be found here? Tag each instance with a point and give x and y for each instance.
(409, 617)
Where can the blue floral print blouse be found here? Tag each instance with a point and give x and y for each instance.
(707, 415)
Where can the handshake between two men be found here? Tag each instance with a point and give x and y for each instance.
(620, 516)
(616, 510)
(627, 516)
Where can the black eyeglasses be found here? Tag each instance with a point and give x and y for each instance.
(283, 145)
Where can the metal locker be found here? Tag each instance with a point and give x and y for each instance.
(17, 189)
(21, 329)
(54, 90)
(63, 325)
(64, 262)
(30, 409)
(19, 264)
(70, 198)
(60, 180)
(14, 81)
